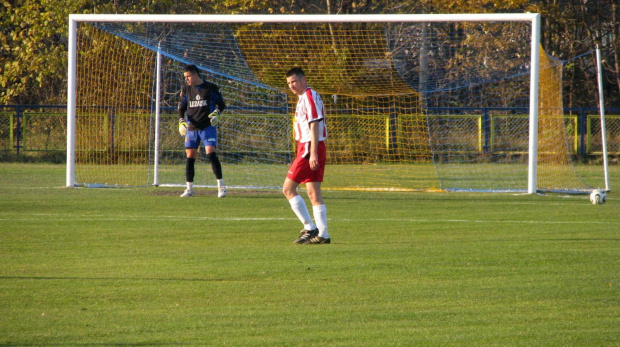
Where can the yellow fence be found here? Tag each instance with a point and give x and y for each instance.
(42, 131)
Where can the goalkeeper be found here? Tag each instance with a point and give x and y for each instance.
(203, 104)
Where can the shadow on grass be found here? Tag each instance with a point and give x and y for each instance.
(66, 278)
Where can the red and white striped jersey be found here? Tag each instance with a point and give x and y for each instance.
(309, 109)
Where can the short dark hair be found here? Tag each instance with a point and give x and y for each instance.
(192, 68)
(295, 71)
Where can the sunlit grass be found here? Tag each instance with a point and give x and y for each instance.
(143, 266)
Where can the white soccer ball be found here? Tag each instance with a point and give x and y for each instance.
(598, 196)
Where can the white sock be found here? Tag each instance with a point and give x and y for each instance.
(190, 186)
(299, 207)
(220, 183)
(320, 217)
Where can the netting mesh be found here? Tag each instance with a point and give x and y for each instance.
(555, 171)
(112, 111)
(409, 106)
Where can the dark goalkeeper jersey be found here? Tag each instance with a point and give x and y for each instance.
(199, 101)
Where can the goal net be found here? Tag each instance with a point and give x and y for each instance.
(414, 102)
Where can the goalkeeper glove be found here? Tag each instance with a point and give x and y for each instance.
(213, 117)
(182, 127)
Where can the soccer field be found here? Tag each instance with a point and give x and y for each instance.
(141, 266)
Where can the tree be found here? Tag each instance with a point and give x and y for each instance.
(574, 27)
(33, 34)
(34, 57)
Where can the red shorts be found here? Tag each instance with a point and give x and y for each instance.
(300, 170)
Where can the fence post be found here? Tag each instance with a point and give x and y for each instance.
(111, 136)
(18, 129)
(394, 132)
(486, 126)
(582, 133)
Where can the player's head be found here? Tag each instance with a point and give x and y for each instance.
(295, 71)
(192, 75)
(296, 80)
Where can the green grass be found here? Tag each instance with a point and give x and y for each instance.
(144, 267)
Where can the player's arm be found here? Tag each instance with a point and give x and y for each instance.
(220, 105)
(182, 108)
(314, 144)
(219, 101)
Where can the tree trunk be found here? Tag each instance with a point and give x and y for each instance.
(331, 29)
(423, 78)
(615, 46)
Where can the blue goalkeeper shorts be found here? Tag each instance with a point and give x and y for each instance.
(208, 136)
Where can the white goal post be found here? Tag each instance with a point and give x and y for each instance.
(532, 18)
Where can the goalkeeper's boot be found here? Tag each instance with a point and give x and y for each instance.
(221, 192)
(187, 193)
(319, 240)
(306, 235)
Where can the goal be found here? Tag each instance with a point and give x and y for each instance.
(413, 102)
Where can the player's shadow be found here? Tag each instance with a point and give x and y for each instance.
(149, 279)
